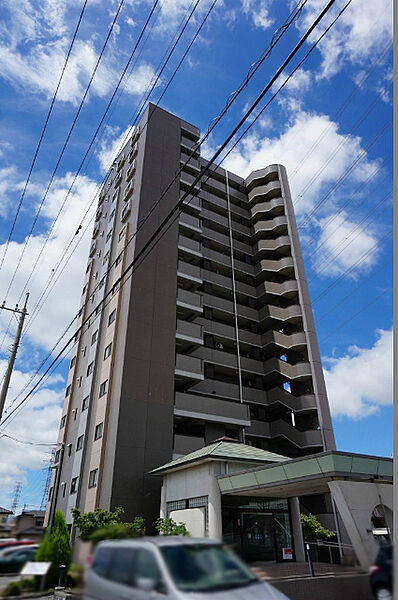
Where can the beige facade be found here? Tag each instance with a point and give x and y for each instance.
(210, 334)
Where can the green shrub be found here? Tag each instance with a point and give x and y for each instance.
(89, 523)
(313, 530)
(119, 531)
(12, 589)
(170, 527)
(55, 549)
(28, 584)
(75, 575)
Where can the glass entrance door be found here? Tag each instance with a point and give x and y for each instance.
(258, 536)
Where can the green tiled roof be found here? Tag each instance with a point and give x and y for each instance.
(227, 451)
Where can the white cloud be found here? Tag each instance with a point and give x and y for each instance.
(360, 33)
(341, 244)
(61, 307)
(292, 94)
(360, 382)
(259, 11)
(310, 136)
(16, 459)
(36, 67)
(111, 144)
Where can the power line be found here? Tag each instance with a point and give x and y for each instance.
(64, 146)
(14, 439)
(107, 109)
(343, 106)
(276, 37)
(43, 132)
(356, 314)
(191, 188)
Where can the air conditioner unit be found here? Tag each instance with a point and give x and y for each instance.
(219, 346)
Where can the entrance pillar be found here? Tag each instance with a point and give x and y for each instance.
(297, 531)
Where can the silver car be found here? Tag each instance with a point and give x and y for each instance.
(173, 568)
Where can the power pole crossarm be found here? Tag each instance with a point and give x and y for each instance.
(11, 361)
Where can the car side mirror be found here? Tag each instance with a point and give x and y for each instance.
(146, 584)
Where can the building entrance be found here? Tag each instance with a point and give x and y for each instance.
(259, 529)
(258, 536)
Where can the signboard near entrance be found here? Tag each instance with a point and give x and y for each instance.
(287, 553)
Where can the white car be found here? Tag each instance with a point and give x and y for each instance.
(172, 568)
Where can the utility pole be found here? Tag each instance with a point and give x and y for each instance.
(56, 488)
(11, 361)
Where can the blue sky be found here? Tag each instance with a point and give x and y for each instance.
(330, 126)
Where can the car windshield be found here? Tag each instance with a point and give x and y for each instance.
(205, 568)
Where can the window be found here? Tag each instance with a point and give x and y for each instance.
(67, 391)
(73, 485)
(74, 414)
(85, 403)
(106, 256)
(112, 317)
(122, 566)
(72, 362)
(107, 351)
(98, 431)
(90, 368)
(63, 421)
(122, 232)
(69, 449)
(56, 458)
(112, 215)
(84, 289)
(102, 282)
(93, 478)
(145, 567)
(101, 561)
(94, 337)
(103, 388)
(84, 350)
(88, 267)
(108, 237)
(119, 259)
(79, 443)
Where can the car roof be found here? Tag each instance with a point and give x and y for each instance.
(161, 540)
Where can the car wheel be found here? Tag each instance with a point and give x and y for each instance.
(383, 594)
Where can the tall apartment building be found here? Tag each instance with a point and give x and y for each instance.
(210, 335)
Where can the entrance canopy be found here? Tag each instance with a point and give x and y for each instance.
(306, 475)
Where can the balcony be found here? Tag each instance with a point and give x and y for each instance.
(225, 260)
(211, 409)
(189, 249)
(227, 306)
(225, 282)
(262, 176)
(187, 181)
(223, 240)
(265, 192)
(189, 223)
(189, 275)
(279, 370)
(272, 208)
(277, 225)
(188, 303)
(281, 244)
(288, 289)
(274, 341)
(192, 204)
(188, 335)
(269, 315)
(304, 403)
(280, 428)
(283, 266)
(188, 369)
(184, 444)
(223, 222)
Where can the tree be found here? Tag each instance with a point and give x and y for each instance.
(55, 548)
(119, 531)
(90, 522)
(170, 527)
(313, 530)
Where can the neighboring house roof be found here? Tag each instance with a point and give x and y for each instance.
(31, 530)
(223, 450)
(34, 513)
(5, 511)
